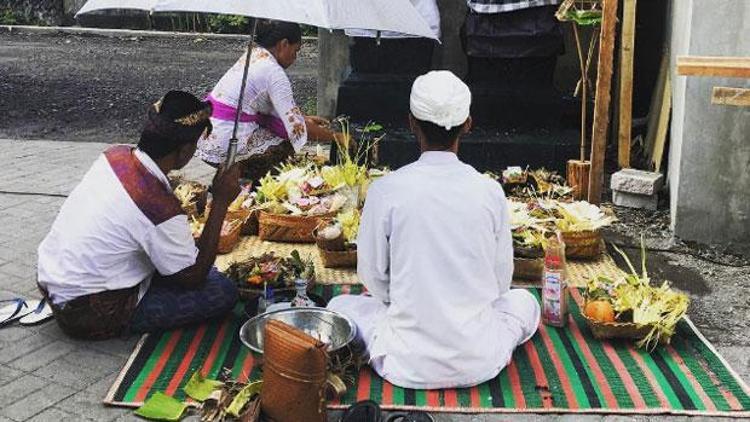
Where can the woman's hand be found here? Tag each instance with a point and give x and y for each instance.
(318, 129)
(320, 121)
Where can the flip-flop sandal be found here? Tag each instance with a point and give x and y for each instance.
(411, 417)
(16, 309)
(41, 314)
(363, 411)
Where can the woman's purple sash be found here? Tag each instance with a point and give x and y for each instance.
(227, 113)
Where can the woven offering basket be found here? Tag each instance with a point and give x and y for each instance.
(249, 218)
(229, 241)
(294, 375)
(288, 228)
(528, 269)
(584, 245)
(338, 259)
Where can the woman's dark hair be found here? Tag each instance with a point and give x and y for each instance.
(177, 119)
(269, 32)
(438, 136)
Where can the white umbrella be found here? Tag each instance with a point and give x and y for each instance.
(376, 15)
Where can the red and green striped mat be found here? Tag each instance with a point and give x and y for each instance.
(559, 370)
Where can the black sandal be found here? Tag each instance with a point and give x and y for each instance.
(411, 417)
(364, 411)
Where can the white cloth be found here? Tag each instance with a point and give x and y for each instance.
(268, 91)
(435, 249)
(101, 240)
(440, 97)
(427, 8)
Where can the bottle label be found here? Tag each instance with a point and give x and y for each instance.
(552, 296)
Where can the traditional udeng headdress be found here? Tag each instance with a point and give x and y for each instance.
(172, 123)
(441, 98)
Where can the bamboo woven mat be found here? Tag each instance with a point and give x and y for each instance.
(579, 272)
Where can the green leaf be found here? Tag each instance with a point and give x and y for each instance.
(161, 407)
(199, 388)
(244, 396)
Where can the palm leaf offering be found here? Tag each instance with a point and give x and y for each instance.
(634, 300)
(311, 188)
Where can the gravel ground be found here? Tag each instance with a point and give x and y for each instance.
(76, 88)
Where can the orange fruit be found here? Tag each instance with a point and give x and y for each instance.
(600, 310)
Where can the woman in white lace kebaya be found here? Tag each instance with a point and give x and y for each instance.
(271, 127)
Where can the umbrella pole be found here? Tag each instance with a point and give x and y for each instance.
(232, 153)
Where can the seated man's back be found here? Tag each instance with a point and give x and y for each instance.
(435, 251)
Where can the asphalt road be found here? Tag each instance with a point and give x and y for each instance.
(78, 88)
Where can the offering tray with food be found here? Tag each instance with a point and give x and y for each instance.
(336, 240)
(631, 308)
(256, 274)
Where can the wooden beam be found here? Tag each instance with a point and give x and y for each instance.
(601, 103)
(627, 50)
(660, 141)
(656, 110)
(725, 67)
(738, 97)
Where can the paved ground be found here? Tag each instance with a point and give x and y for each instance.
(45, 376)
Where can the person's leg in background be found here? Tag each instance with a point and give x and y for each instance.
(167, 307)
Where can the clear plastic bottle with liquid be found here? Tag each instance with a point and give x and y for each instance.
(555, 284)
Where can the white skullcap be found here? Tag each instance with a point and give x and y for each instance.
(441, 98)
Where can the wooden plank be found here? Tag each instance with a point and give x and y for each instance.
(738, 97)
(662, 126)
(654, 111)
(602, 101)
(726, 67)
(627, 50)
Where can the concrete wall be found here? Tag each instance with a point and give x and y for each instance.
(709, 157)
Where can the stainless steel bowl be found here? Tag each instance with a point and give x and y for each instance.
(330, 327)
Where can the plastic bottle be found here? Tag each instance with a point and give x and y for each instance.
(555, 284)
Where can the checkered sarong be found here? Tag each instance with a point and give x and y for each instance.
(501, 6)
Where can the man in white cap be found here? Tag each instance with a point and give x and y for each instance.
(435, 253)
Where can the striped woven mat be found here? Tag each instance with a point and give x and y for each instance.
(579, 272)
(559, 370)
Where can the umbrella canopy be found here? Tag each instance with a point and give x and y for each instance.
(377, 15)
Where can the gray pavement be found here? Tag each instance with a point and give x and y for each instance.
(46, 376)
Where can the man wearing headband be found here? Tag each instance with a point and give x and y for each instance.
(120, 256)
(435, 253)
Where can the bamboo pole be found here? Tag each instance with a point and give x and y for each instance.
(603, 97)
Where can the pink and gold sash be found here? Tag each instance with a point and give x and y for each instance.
(148, 193)
(227, 113)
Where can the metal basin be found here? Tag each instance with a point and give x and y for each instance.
(330, 327)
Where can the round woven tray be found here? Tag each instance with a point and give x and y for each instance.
(288, 228)
(585, 244)
(622, 330)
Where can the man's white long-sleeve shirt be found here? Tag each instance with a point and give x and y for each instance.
(435, 244)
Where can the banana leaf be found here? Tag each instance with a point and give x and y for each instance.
(161, 407)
